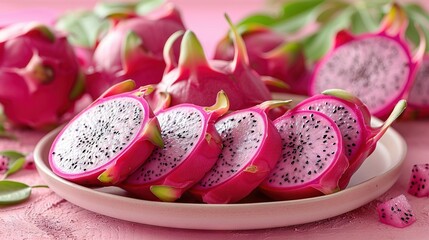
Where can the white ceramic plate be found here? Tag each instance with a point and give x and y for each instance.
(376, 176)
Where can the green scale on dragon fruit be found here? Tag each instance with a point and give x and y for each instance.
(418, 180)
(271, 56)
(133, 49)
(198, 80)
(108, 140)
(376, 67)
(354, 121)
(251, 147)
(396, 212)
(312, 159)
(191, 147)
(40, 87)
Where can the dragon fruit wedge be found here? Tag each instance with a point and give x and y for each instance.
(312, 158)
(376, 67)
(396, 212)
(191, 147)
(40, 77)
(251, 147)
(418, 180)
(354, 121)
(197, 80)
(271, 56)
(133, 49)
(108, 140)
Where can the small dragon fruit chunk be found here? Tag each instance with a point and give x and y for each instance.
(197, 80)
(251, 147)
(418, 180)
(133, 49)
(40, 77)
(354, 121)
(271, 56)
(377, 67)
(191, 147)
(396, 212)
(108, 140)
(312, 159)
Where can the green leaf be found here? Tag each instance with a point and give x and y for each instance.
(319, 43)
(362, 21)
(115, 9)
(84, 28)
(16, 161)
(417, 16)
(259, 19)
(145, 7)
(12, 192)
(295, 8)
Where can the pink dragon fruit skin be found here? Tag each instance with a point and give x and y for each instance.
(354, 120)
(184, 160)
(271, 56)
(418, 180)
(312, 159)
(92, 150)
(40, 76)
(382, 78)
(133, 50)
(251, 149)
(196, 80)
(396, 212)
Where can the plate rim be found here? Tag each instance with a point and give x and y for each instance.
(215, 209)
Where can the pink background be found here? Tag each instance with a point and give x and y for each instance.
(47, 216)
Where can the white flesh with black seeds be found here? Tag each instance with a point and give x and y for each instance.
(98, 135)
(309, 146)
(242, 135)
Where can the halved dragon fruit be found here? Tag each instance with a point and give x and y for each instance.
(354, 121)
(418, 99)
(108, 140)
(418, 181)
(312, 159)
(251, 147)
(396, 212)
(197, 80)
(40, 77)
(376, 67)
(271, 56)
(133, 50)
(191, 147)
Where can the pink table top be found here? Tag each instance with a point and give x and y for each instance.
(47, 216)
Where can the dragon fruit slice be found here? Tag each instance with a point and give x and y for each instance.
(419, 177)
(376, 67)
(40, 77)
(108, 140)
(191, 147)
(270, 56)
(251, 147)
(396, 212)
(312, 159)
(354, 121)
(133, 49)
(196, 80)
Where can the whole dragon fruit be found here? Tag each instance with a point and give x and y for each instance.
(108, 140)
(133, 49)
(354, 121)
(40, 78)
(418, 180)
(197, 80)
(191, 147)
(251, 147)
(376, 67)
(396, 212)
(312, 159)
(271, 56)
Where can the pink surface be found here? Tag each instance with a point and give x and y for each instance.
(47, 216)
